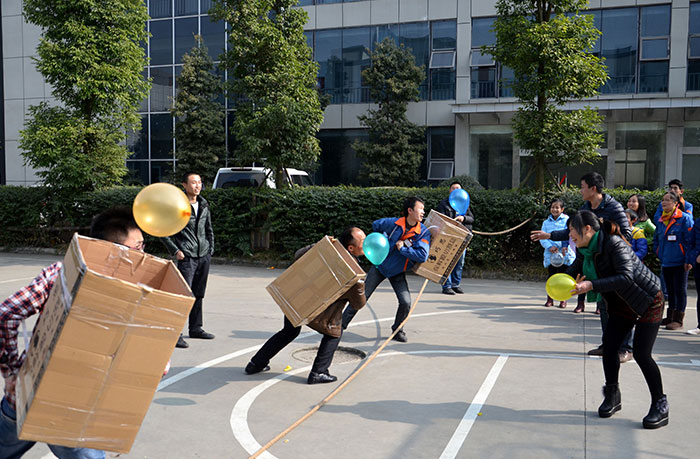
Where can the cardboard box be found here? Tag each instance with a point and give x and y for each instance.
(315, 281)
(100, 346)
(448, 241)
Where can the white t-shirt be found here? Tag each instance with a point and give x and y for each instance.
(195, 206)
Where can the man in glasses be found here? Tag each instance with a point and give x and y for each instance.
(114, 225)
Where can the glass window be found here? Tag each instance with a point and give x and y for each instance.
(481, 32)
(185, 30)
(654, 48)
(619, 48)
(380, 32)
(161, 136)
(483, 82)
(507, 76)
(186, 7)
(161, 88)
(143, 103)
(656, 21)
(694, 75)
(355, 60)
(442, 59)
(325, 2)
(691, 136)
(339, 161)
(639, 156)
(137, 141)
(442, 84)
(444, 34)
(416, 37)
(492, 159)
(441, 142)
(328, 54)
(309, 34)
(214, 36)
(305, 2)
(137, 173)
(483, 71)
(206, 6)
(161, 171)
(653, 76)
(691, 166)
(161, 42)
(694, 48)
(694, 25)
(160, 8)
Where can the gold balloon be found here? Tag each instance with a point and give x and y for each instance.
(559, 286)
(162, 209)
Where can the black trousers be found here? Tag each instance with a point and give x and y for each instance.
(282, 338)
(644, 337)
(196, 272)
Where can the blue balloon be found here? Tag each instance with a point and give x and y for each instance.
(459, 200)
(376, 248)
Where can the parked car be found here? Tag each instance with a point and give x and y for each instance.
(254, 177)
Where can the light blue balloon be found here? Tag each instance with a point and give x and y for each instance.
(376, 248)
(459, 200)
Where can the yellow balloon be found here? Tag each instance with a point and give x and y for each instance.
(162, 209)
(559, 286)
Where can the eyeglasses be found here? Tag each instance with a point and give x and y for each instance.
(141, 246)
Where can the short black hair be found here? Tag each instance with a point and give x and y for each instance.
(186, 176)
(456, 183)
(557, 200)
(347, 237)
(409, 203)
(584, 218)
(676, 182)
(113, 224)
(594, 180)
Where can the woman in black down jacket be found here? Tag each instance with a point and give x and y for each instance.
(606, 265)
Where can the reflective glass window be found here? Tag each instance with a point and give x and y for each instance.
(160, 8)
(161, 42)
(656, 21)
(694, 25)
(483, 82)
(325, 2)
(442, 84)
(305, 2)
(441, 142)
(694, 48)
(137, 141)
(161, 171)
(691, 136)
(416, 37)
(206, 6)
(214, 36)
(339, 162)
(444, 34)
(161, 88)
(653, 76)
(507, 76)
(143, 103)
(185, 30)
(482, 33)
(656, 48)
(328, 54)
(137, 173)
(639, 156)
(161, 136)
(309, 34)
(380, 32)
(492, 159)
(691, 166)
(619, 48)
(355, 60)
(694, 75)
(186, 7)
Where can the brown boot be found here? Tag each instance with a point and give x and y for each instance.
(549, 303)
(580, 307)
(668, 318)
(677, 322)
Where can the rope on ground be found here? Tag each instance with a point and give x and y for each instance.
(498, 233)
(345, 383)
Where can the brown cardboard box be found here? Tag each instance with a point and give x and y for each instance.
(315, 281)
(448, 240)
(100, 346)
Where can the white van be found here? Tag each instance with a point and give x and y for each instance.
(254, 177)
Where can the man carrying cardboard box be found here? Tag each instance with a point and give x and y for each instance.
(327, 323)
(114, 225)
(409, 242)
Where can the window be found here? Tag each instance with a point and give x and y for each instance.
(441, 153)
(328, 54)
(355, 60)
(185, 30)
(619, 48)
(380, 32)
(694, 48)
(416, 37)
(137, 141)
(639, 155)
(137, 173)
(161, 42)
(161, 88)
(186, 7)
(160, 8)
(443, 78)
(161, 136)
(654, 46)
(214, 36)
(339, 161)
(488, 77)
(691, 154)
(491, 157)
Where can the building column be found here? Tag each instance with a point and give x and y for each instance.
(462, 144)
(673, 164)
(515, 177)
(610, 173)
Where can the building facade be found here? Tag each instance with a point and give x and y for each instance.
(651, 103)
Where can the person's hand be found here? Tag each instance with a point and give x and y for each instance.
(553, 249)
(688, 266)
(10, 383)
(564, 249)
(459, 218)
(179, 255)
(399, 244)
(582, 285)
(538, 235)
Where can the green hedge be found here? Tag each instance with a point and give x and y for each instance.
(299, 216)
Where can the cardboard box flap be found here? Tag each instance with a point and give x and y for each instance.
(449, 239)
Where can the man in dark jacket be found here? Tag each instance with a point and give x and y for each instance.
(605, 207)
(193, 248)
(451, 285)
(328, 323)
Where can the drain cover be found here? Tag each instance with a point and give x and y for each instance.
(342, 354)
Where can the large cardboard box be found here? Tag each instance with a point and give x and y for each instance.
(315, 281)
(100, 346)
(448, 240)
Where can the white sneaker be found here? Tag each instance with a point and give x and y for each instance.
(694, 331)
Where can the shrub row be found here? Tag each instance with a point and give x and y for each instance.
(299, 216)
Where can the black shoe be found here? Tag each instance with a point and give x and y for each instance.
(458, 290)
(658, 414)
(201, 334)
(181, 343)
(448, 291)
(320, 378)
(252, 368)
(400, 337)
(613, 401)
(596, 351)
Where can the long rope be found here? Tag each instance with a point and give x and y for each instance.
(345, 383)
(498, 233)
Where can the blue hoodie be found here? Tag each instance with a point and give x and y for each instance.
(415, 250)
(550, 225)
(672, 241)
(694, 244)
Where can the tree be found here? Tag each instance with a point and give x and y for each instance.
(200, 134)
(394, 151)
(278, 113)
(547, 45)
(90, 55)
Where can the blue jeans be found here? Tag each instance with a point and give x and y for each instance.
(455, 277)
(11, 447)
(400, 286)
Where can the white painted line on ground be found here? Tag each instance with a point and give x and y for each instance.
(49, 456)
(465, 425)
(15, 280)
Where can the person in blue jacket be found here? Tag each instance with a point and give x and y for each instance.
(639, 242)
(409, 242)
(557, 220)
(671, 241)
(676, 186)
(693, 261)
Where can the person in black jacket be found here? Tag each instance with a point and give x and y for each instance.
(607, 266)
(451, 285)
(605, 207)
(192, 248)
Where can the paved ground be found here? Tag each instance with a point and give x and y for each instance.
(488, 374)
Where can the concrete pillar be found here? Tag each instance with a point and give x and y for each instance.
(610, 173)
